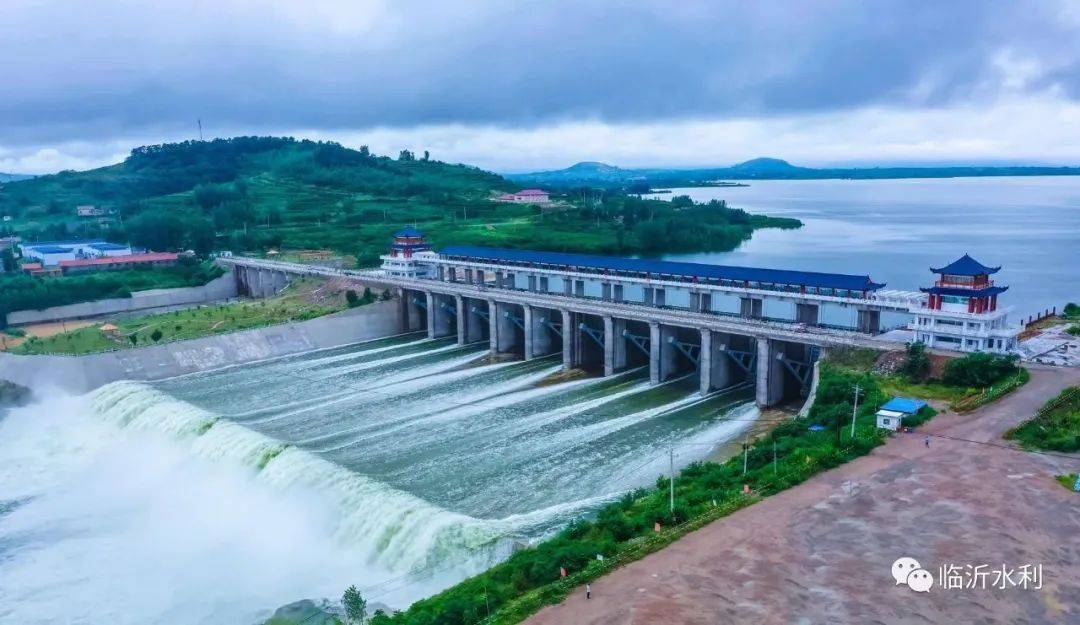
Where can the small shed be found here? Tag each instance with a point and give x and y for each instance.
(891, 415)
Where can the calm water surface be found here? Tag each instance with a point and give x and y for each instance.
(895, 230)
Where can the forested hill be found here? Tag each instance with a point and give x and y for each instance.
(605, 175)
(252, 194)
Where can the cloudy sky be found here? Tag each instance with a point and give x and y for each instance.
(519, 85)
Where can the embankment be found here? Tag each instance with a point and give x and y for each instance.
(79, 374)
(154, 300)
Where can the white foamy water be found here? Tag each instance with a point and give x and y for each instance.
(400, 468)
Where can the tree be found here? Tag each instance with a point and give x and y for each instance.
(352, 298)
(917, 363)
(7, 259)
(156, 335)
(980, 369)
(406, 156)
(355, 606)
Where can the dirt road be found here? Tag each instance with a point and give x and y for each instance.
(822, 552)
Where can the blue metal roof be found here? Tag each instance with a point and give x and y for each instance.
(905, 405)
(107, 246)
(962, 292)
(966, 266)
(52, 249)
(408, 232)
(664, 267)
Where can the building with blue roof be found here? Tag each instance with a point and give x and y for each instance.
(845, 285)
(961, 310)
(50, 253)
(891, 415)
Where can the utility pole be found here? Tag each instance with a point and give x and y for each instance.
(671, 493)
(774, 456)
(745, 449)
(854, 409)
(199, 122)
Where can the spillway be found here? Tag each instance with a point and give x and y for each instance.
(426, 461)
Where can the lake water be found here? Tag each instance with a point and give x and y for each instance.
(895, 230)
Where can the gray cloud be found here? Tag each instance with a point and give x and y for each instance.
(131, 68)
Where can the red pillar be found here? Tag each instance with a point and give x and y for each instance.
(971, 304)
(993, 302)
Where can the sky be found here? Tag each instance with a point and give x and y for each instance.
(524, 85)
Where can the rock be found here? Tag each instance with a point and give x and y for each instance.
(304, 611)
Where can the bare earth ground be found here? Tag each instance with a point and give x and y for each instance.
(822, 551)
(44, 330)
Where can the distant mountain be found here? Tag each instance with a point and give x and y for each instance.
(764, 168)
(13, 177)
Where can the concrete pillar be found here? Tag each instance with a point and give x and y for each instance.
(532, 283)
(541, 333)
(579, 288)
(493, 326)
(468, 276)
(807, 314)
(530, 331)
(769, 374)
(618, 348)
(609, 345)
(507, 329)
(722, 368)
(605, 291)
(695, 301)
(617, 293)
(669, 354)
(544, 284)
(705, 362)
(654, 352)
(567, 339)
(661, 298)
(750, 307)
(568, 287)
(431, 313)
(403, 310)
(440, 273)
(649, 297)
(462, 319)
(706, 302)
(869, 321)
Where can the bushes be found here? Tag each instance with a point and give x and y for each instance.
(980, 369)
(917, 362)
(1056, 426)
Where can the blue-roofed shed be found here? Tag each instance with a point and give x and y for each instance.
(642, 267)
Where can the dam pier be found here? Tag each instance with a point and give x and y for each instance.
(733, 326)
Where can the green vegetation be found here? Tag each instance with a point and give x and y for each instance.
(300, 301)
(1068, 481)
(624, 530)
(355, 606)
(1056, 426)
(980, 369)
(257, 193)
(916, 362)
(22, 292)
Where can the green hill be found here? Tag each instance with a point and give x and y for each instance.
(251, 194)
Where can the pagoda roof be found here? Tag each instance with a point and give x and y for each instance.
(966, 266)
(409, 231)
(965, 292)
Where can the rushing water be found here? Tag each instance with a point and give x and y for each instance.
(399, 465)
(895, 230)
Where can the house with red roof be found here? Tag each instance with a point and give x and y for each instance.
(526, 196)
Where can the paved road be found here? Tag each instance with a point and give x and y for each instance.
(822, 552)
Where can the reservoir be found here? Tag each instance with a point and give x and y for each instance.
(895, 230)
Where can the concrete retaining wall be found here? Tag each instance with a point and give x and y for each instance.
(215, 290)
(79, 374)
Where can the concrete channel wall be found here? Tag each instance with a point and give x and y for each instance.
(78, 374)
(218, 289)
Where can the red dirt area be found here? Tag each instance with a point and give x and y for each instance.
(822, 552)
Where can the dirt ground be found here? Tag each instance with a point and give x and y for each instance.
(43, 330)
(822, 552)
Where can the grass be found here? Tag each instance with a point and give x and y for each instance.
(1068, 481)
(1056, 426)
(302, 299)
